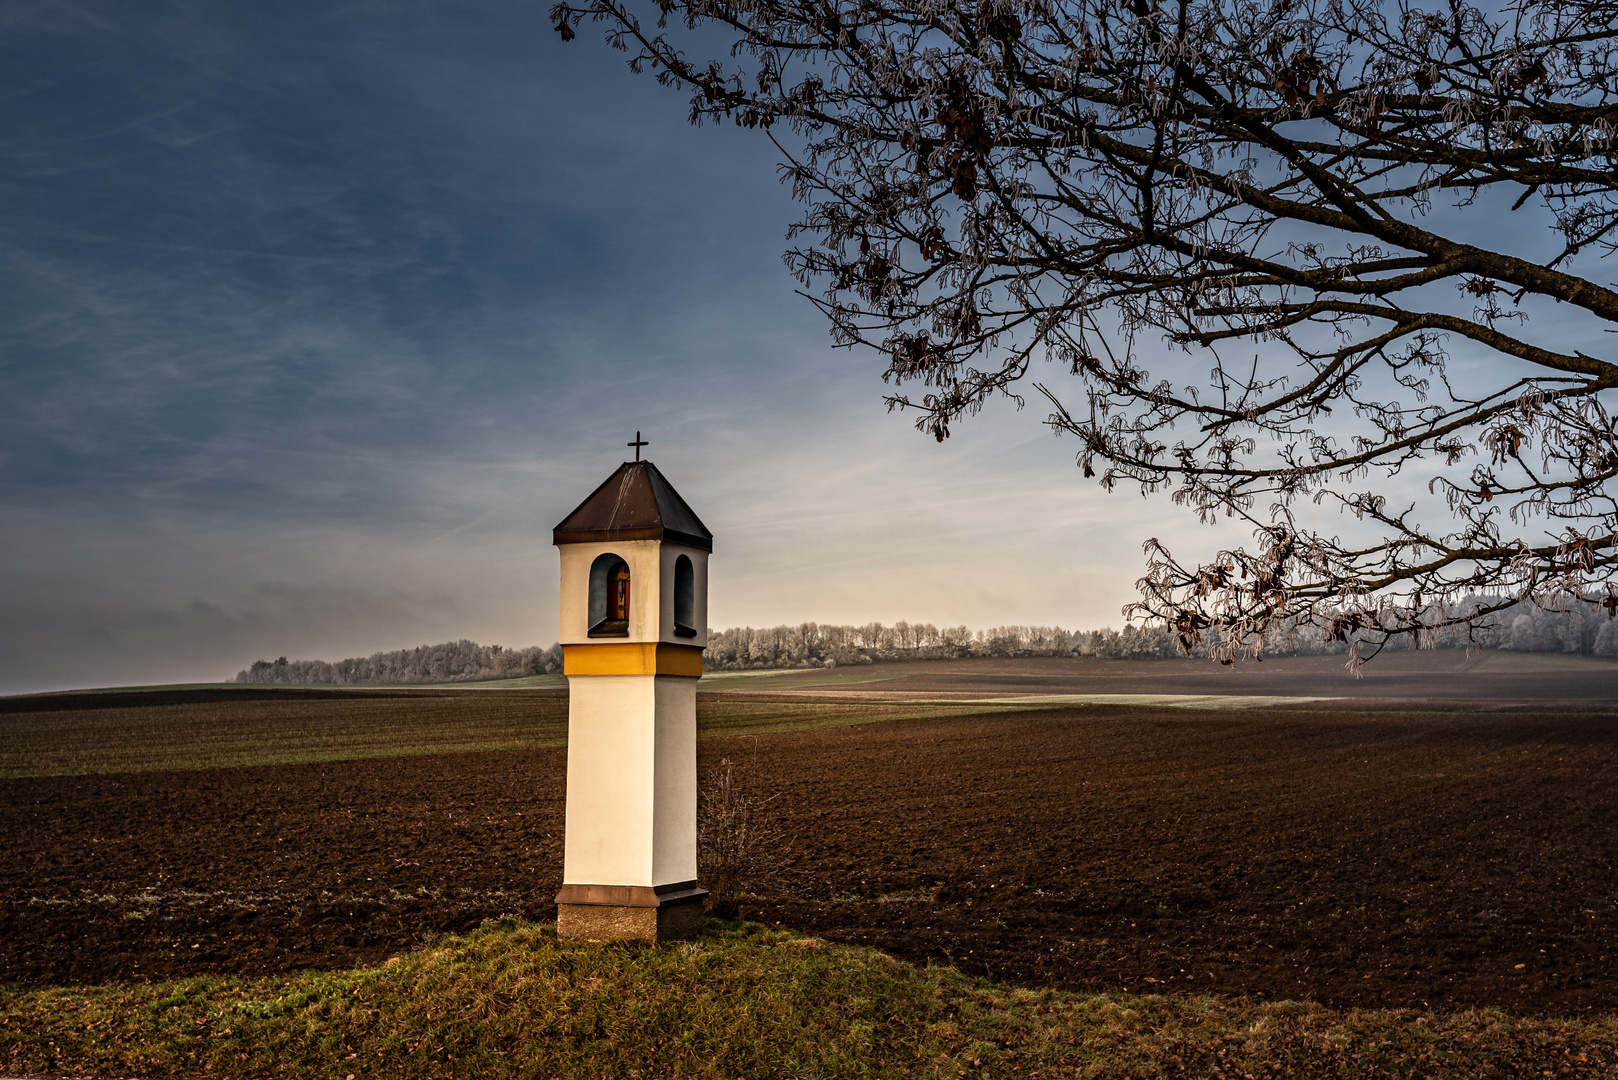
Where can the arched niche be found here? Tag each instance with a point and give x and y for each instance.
(685, 597)
(609, 597)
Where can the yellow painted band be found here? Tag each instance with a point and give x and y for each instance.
(632, 658)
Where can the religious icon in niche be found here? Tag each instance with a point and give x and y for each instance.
(618, 595)
(609, 597)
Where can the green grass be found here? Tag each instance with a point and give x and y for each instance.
(152, 688)
(710, 678)
(718, 717)
(273, 732)
(799, 678)
(1515, 663)
(740, 1001)
(527, 682)
(291, 729)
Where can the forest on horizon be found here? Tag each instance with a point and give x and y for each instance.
(1582, 628)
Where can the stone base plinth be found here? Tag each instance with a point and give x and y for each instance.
(629, 913)
(597, 922)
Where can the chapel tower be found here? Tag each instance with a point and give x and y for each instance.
(634, 617)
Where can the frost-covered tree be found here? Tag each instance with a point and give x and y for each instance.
(820, 644)
(453, 661)
(1606, 642)
(1251, 240)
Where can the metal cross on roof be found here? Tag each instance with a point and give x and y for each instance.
(637, 444)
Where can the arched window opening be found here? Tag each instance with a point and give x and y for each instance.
(685, 597)
(609, 597)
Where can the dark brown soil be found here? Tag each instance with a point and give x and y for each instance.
(1437, 858)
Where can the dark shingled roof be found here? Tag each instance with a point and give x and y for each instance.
(635, 503)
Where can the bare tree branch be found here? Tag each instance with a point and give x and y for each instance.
(1110, 188)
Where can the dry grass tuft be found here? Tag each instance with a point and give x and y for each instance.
(740, 851)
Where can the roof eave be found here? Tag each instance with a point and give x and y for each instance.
(607, 536)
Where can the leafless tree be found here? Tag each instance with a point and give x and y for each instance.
(1343, 212)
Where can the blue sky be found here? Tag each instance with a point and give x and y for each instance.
(314, 319)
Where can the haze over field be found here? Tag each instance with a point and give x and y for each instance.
(315, 319)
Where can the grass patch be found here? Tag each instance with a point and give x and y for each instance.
(809, 678)
(732, 714)
(740, 1001)
(1516, 663)
(276, 731)
(527, 682)
(297, 728)
(713, 677)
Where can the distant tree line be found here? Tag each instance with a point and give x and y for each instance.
(453, 661)
(828, 645)
(1558, 623)
(1576, 630)
(1568, 625)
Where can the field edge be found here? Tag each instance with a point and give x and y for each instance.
(742, 999)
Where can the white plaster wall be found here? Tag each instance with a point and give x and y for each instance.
(645, 589)
(699, 607)
(611, 778)
(674, 852)
(632, 739)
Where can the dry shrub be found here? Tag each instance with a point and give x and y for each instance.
(740, 850)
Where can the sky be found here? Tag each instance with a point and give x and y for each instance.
(316, 317)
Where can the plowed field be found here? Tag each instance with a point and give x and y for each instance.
(1352, 855)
